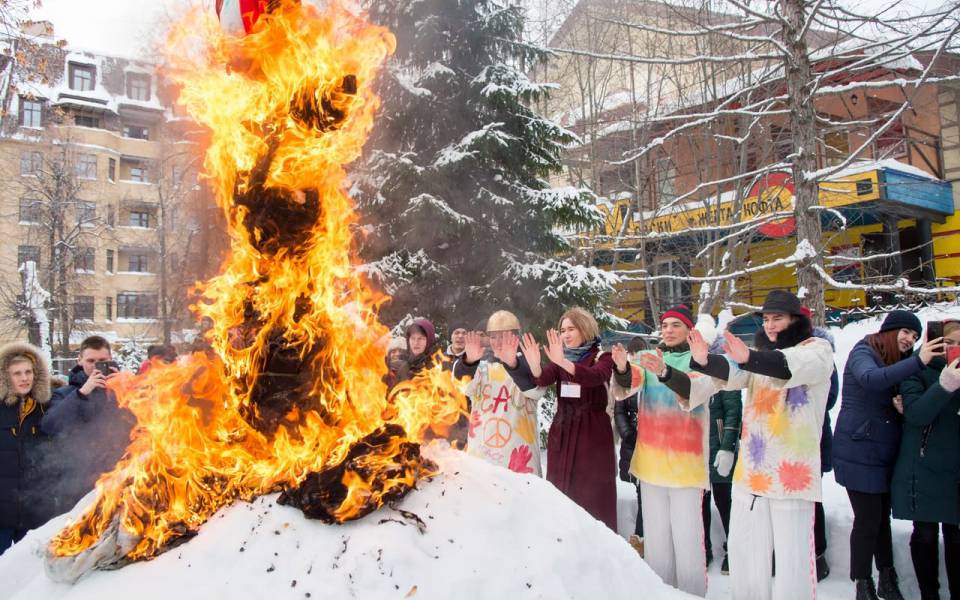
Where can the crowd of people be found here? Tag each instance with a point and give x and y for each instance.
(699, 421)
(744, 427)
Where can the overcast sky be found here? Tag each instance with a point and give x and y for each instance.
(125, 27)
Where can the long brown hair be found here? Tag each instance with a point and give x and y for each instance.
(885, 345)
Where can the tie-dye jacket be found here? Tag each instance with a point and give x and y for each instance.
(672, 444)
(503, 420)
(782, 422)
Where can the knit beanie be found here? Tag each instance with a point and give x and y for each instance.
(680, 311)
(902, 319)
(782, 301)
(397, 343)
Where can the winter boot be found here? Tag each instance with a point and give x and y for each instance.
(865, 589)
(637, 542)
(725, 565)
(887, 587)
(823, 569)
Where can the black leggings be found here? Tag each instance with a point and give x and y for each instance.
(870, 537)
(819, 529)
(925, 552)
(721, 498)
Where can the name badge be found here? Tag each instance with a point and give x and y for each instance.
(569, 390)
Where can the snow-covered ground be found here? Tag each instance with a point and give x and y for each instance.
(489, 533)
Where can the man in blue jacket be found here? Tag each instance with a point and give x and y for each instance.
(90, 429)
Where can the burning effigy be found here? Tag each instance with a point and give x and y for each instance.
(291, 397)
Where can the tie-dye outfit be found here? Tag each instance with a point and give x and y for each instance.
(670, 460)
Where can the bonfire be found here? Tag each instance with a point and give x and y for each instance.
(290, 398)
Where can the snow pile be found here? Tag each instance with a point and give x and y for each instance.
(486, 533)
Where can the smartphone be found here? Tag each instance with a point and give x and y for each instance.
(934, 330)
(953, 353)
(107, 366)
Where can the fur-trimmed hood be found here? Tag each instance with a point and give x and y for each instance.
(41, 373)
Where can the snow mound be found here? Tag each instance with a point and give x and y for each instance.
(488, 533)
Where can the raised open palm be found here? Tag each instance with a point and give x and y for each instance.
(554, 347)
(531, 352)
(473, 347)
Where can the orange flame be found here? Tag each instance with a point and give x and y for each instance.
(283, 118)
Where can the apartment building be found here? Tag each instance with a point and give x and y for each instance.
(100, 193)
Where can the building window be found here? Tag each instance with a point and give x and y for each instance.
(109, 261)
(86, 212)
(30, 210)
(782, 143)
(138, 86)
(666, 175)
(83, 307)
(27, 254)
(85, 259)
(836, 147)
(87, 166)
(31, 112)
(31, 163)
(670, 291)
(109, 307)
(138, 263)
(136, 305)
(86, 121)
(136, 131)
(138, 173)
(111, 216)
(139, 218)
(82, 77)
(112, 169)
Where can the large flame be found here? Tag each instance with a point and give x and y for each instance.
(287, 107)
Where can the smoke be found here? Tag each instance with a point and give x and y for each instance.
(66, 466)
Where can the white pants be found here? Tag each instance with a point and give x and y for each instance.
(673, 536)
(760, 527)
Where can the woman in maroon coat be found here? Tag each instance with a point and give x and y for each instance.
(580, 456)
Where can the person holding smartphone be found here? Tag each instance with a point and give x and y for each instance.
(927, 471)
(90, 429)
(866, 441)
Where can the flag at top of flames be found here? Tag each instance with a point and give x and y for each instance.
(290, 398)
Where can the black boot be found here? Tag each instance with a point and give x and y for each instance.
(887, 587)
(823, 569)
(865, 589)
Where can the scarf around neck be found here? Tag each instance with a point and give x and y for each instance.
(575, 355)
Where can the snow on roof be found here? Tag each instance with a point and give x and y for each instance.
(892, 164)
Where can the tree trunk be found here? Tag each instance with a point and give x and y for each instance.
(804, 132)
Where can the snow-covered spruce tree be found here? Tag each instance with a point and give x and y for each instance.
(459, 216)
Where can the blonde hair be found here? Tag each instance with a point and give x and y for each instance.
(950, 326)
(583, 321)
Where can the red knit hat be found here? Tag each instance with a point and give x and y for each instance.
(680, 311)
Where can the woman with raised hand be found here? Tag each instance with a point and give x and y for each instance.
(927, 472)
(866, 442)
(581, 461)
(670, 458)
(777, 477)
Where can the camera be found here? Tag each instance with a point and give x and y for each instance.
(934, 330)
(107, 366)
